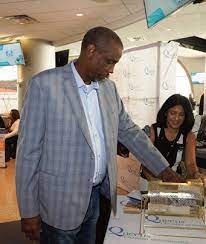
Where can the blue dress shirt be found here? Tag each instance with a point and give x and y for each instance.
(90, 102)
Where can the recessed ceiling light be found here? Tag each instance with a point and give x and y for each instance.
(168, 29)
(79, 14)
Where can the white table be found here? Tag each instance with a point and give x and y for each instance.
(124, 229)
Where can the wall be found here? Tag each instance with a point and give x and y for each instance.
(195, 65)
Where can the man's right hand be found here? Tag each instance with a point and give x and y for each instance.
(170, 176)
(31, 227)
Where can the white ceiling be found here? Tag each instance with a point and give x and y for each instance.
(58, 23)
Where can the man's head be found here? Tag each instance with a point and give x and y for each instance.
(101, 50)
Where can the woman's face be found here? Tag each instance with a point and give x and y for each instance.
(175, 117)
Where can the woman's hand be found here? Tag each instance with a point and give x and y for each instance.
(169, 175)
(200, 176)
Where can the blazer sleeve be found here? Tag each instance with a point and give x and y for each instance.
(132, 136)
(31, 133)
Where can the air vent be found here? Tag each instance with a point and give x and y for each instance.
(21, 19)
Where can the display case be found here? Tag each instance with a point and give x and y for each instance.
(177, 207)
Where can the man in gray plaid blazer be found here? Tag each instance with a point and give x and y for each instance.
(70, 122)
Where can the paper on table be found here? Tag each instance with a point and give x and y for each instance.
(135, 195)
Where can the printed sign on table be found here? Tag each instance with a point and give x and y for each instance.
(128, 173)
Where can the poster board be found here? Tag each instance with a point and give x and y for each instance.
(145, 77)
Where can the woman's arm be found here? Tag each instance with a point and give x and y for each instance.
(190, 159)
(190, 156)
(14, 129)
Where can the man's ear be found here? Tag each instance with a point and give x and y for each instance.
(91, 50)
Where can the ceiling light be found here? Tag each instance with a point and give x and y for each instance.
(79, 14)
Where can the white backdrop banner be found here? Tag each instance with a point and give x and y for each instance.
(145, 77)
(167, 67)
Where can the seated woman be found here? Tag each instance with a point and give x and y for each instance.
(12, 137)
(172, 136)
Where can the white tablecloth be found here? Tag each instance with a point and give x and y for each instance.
(124, 229)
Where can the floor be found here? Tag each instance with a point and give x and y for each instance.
(10, 226)
(8, 210)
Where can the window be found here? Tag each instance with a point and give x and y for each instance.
(8, 88)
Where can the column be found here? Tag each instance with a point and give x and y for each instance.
(39, 55)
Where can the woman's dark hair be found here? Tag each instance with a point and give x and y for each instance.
(100, 36)
(14, 115)
(172, 101)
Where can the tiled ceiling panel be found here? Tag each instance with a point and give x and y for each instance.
(55, 16)
(58, 23)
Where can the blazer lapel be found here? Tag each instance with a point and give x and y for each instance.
(71, 92)
(104, 105)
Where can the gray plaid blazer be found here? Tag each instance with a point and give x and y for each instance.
(55, 160)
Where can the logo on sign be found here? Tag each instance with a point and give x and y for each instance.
(116, 230)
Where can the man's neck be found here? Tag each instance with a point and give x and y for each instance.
(81, 69)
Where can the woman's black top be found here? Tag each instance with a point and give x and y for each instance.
(169, 149)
